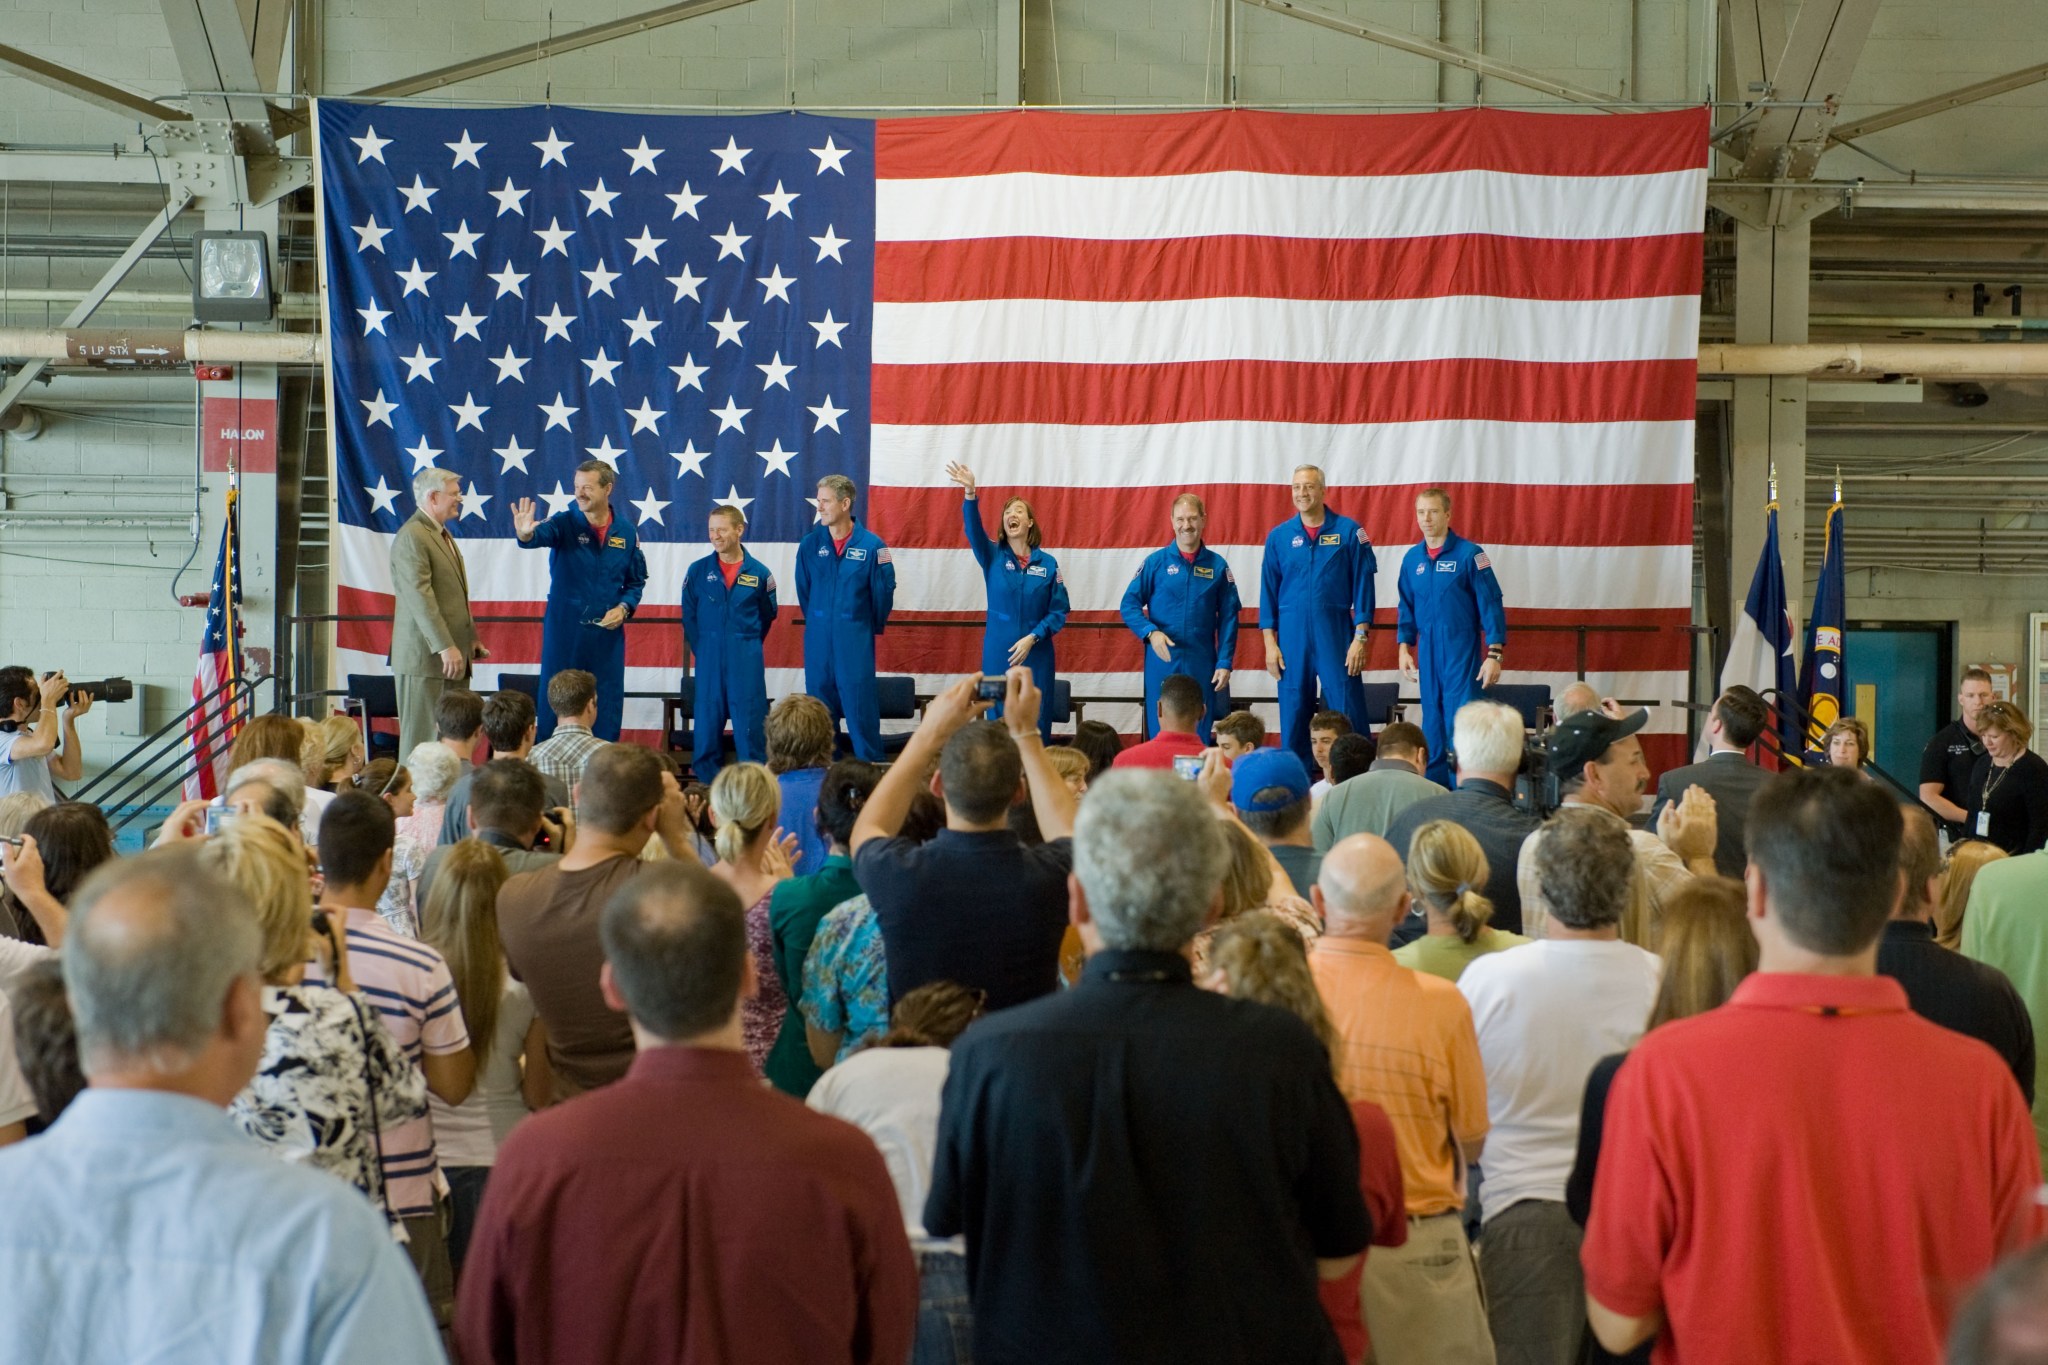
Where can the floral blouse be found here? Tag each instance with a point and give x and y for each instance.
(399, 905)
(309, 1100)
(846, 979)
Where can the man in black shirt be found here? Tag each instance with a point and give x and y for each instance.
(1946, 762)
(1488, 738)
(1146, 1171)
(974, 906)
(1972, 998)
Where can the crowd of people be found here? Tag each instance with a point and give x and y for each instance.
(1015, 1051)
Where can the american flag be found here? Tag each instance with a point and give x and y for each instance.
(211, 730)
(1095, 312)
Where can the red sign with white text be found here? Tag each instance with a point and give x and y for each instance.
(243, 427)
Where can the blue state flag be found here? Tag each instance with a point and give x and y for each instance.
(1821, 678)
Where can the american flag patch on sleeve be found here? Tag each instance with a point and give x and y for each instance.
(1482, 562)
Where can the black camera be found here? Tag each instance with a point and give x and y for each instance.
(990, 689)
(103, 689)
(1536, 788)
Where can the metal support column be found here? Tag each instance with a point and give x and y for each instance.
(1768, 428)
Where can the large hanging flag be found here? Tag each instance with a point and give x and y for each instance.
(1821, 676)
(211, 729)
(1760, 648)
(1095, 312)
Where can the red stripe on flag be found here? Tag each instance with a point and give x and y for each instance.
(1287, 268)
(1289, 144)
(1280, 391)
(1242, 514)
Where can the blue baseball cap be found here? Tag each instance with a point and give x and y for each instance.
(1263, 770)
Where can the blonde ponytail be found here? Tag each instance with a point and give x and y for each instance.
(745, 799)
(1444, 863)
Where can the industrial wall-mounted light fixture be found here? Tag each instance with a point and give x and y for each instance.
(231, 277)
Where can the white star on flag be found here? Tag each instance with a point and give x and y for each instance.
(558, 413)
(775, 284)
(828, 331)
(777, 374)
(601, 368)
(606, 451)
(731, 417)
(731, 157)
(416, 279)
(510, 199)
(462, 242)
(383, 498)
(370, 237)
(552, 148)
(373, 319)
(643, 156)
(380, 411)
(419, 365)
(778, 200)
(729, 242)
(778, 459)
(600, 281)
(646, 247)
(370, 146)
(686, 284)
(466, 323)
(649, 509)
(554, 237)
(557, 322)
(728, 329)
(641, 326)
(644, 417)
(829, 244)
(513, 454)
(465, 151)
(690, 460)
(473, 502)
(510, 366)
(684, 201)
(509, 281)
(688, 374)
(827, 415)
(558, 501)
(600, 199)
(469, 413)
(732, 497)
(830, 156)
(422, 455)
(418, 195)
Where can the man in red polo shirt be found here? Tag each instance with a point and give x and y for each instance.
(1811, 1172)
(1180, 714)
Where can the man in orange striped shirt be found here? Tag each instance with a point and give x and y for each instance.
(1409, 1047)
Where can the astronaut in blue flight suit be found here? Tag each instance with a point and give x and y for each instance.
(595, 575)
(1451, 612)
(1027, 597)
(1183, 605)
(845, 586)
(728, 609)
(1315, 611)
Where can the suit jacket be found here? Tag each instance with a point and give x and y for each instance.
(1732, 780)
(430, 588)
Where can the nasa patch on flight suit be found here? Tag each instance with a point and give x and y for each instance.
(1174, 569)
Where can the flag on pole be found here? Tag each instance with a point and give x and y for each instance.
(212, 728)
(1760, 653)
(1820, 678)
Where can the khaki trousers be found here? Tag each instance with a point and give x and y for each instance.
(417, 698)
(1422, 1301)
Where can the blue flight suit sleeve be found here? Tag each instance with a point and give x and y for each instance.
(690, 609)
(882, 585)
(1136, 597)
(1366, 566)
(1404, 613)
(636, 579)
(1056, 609)
(1269, 582)
(1228, 604)
(547, 533)
(977, 534)
(1493, 616)
(803, 576)
(768, 605)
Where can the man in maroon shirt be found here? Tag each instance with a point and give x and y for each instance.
(687, 1214)
(1811, 1172)
(1181, 709)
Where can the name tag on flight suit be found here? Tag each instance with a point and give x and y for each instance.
(747, 580)
(1201, 572)
(1332, 539)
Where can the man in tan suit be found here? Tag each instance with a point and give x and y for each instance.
(433, 638)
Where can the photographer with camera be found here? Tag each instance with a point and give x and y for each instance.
(1598, 762)
(30, 756)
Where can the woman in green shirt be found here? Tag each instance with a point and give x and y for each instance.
(1445, 863)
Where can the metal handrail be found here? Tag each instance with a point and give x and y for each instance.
(140, 778)
(1798, 712)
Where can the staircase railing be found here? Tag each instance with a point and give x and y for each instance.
(1772, 742)
(157, 767)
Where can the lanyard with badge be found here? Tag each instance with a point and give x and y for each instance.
(1990, 786)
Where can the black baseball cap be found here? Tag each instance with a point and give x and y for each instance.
(1582, 738)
